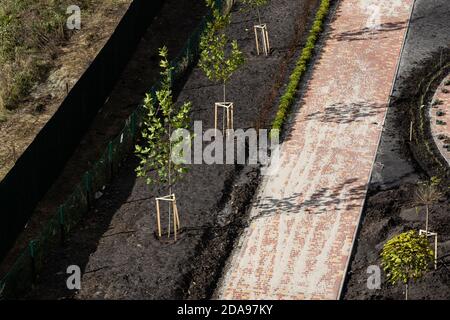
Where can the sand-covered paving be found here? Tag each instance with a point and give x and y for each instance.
(304, 221)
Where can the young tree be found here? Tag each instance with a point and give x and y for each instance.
(406, 257)
(161, 118)
(219, 58)
(256, 5)
(427, 193)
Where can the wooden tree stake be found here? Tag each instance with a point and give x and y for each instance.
(174, 215)
(262, 28)
(228, 116)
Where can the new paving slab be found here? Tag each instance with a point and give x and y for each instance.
(304, 221)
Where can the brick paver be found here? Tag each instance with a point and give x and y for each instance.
(441, 112)
(304, 220)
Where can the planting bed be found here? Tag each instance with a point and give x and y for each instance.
(115, 246)
(400, 164)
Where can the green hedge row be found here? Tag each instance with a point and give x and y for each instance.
(289, 95)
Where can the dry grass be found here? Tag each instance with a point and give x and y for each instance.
(31, 33)
(2, 111)
(34, 74)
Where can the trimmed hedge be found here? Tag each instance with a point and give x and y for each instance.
(288, 97)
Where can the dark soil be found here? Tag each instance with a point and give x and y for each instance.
(218, 241)
(400, 164)
(115, 246)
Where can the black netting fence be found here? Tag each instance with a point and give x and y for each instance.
(31, 260)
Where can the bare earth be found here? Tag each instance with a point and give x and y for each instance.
(304, 221)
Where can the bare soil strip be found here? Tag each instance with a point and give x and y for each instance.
(304, 222)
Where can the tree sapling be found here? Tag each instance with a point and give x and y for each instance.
(155, 150)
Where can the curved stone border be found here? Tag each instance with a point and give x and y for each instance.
(439, 114)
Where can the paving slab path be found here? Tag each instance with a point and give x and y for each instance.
(303, 223)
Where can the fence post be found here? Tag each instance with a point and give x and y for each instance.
(87, 187)
(133, 124)
(172, 72)
(61, 224)
(188, 52)
(32, 248)
(110, 159)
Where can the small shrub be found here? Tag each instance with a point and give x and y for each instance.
(406, 257)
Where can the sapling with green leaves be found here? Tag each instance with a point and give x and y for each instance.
(256, 5)
(219, 57)
(406, 257)
(427, 193)
(161, 118)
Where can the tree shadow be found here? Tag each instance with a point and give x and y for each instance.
(319, 202)
(84, 239)
(370, 33)
(347, 112)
